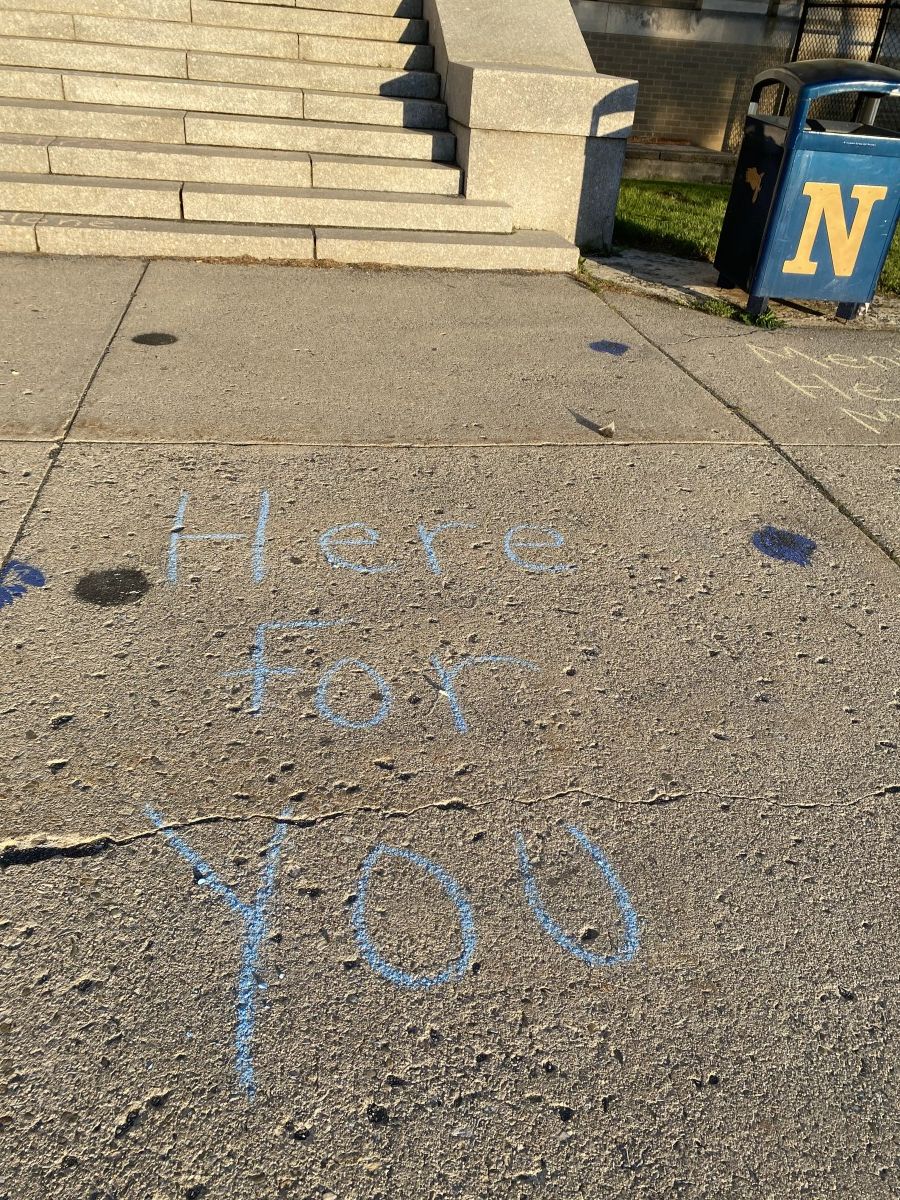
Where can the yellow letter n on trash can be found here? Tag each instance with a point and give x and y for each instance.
(814, 203)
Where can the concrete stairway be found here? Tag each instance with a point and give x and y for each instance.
(233, 129)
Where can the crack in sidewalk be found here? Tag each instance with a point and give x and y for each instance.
(57, 443)
(30, 849)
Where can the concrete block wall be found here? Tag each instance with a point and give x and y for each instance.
(694, 59)
(690, 91)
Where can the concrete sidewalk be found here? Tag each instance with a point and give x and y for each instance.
(450, 733)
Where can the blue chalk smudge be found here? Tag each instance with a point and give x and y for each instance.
(454, 970)
(255, 929)
(783, 545)
(628, 946)
(16, 578)
(616, 349)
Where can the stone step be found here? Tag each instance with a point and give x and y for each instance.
(37, 24)
(88, 157)
(313, 76)
(151, 10)
(324, 137)
(90, 196)
(234, 98)
(214, 164)
(524, 250)
(245, 204)
(402, 56)
(122, 60)
(324, 206)
(368, 174)
(354, 109)
(24, 154)
(325, 22)
(60, 119)
(382, 8)
(521, 251)
(177, 35)
(28, 83)
(89, 56)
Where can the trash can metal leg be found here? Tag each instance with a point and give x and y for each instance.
(848, 312)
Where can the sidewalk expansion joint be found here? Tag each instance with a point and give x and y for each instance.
(816, 484)
(58, 442)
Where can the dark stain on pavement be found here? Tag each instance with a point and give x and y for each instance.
(112, 588)
(154, 339)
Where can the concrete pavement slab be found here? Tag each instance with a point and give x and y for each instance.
(692, 939)
(759, 999)
(865, 480)
(57, 319)
(812, 386)
(343, 356)
(22, 466)
(667, 597)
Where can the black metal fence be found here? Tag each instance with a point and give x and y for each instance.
(867, 30)
(860, 29)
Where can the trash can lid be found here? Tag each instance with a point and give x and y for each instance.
(825, 76)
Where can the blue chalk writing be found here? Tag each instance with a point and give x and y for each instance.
(616, 349)
(512, 543)
(177, 536)
(454, 970)
(784, 545)
(255, 928)
(16, 578)
(325, 710)
(447, 676)
(628, 946)
(427, 537)
(370, 538)
(259, 670)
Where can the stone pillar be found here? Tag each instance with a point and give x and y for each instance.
(536, 126)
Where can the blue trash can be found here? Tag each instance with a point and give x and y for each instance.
(813, 204)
